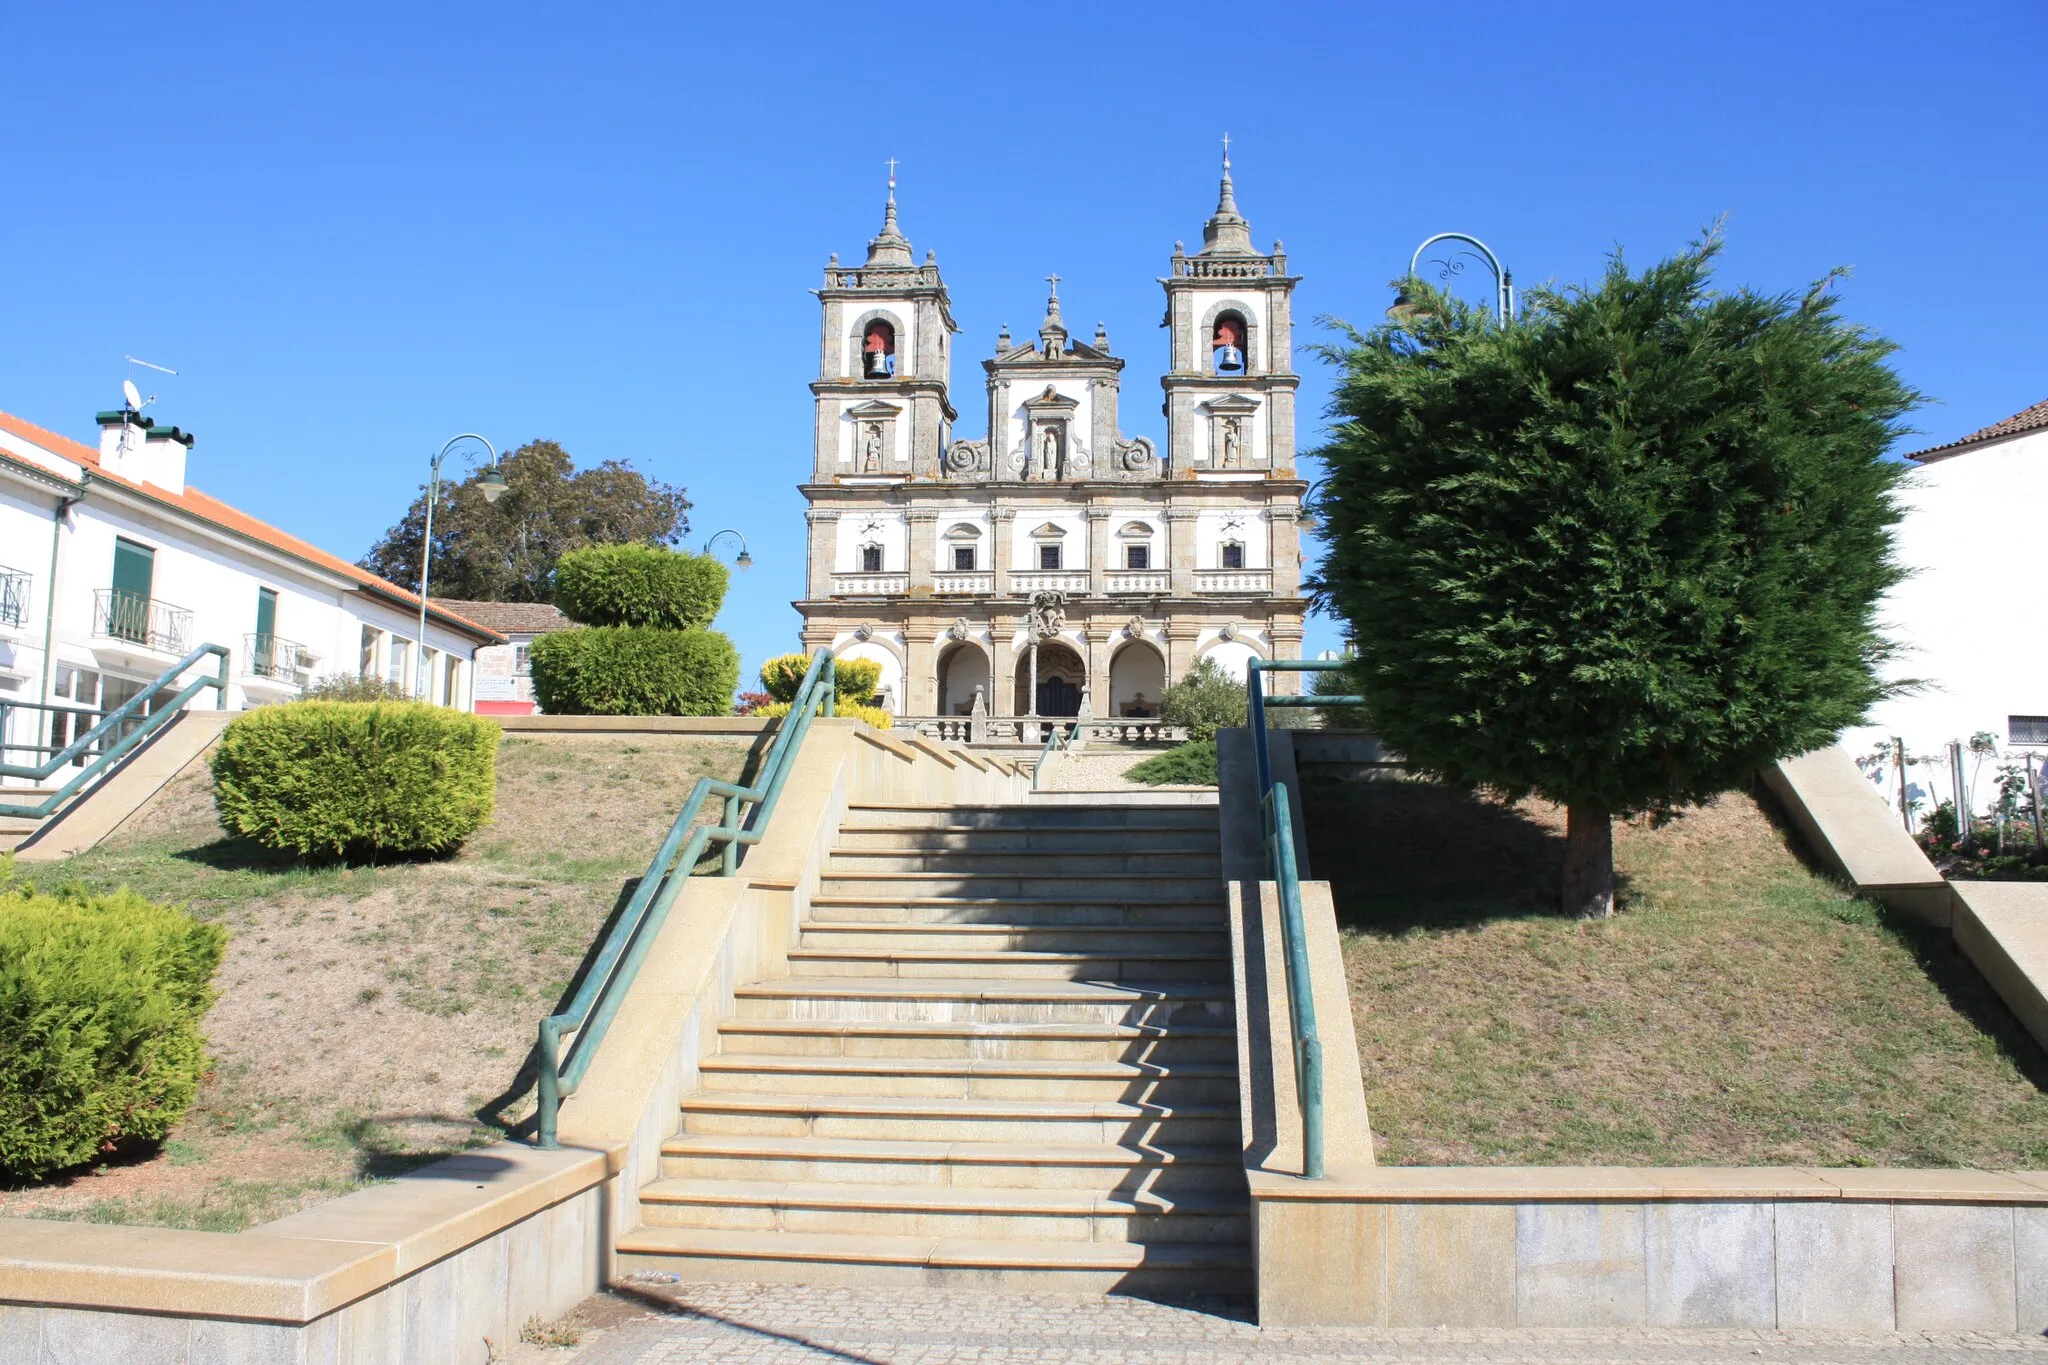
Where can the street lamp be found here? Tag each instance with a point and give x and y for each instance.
(494, 486)
(745, 561)
(1406, 307)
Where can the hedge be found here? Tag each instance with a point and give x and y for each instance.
(100, 1002)
(640, 585)
(635, 671)
(356, 779)
(783, 677)
(879, 717)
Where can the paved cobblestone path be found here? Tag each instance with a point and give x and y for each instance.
(656, 1324)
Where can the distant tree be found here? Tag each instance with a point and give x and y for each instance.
(1206, 700)
(505, 551)
(1619, 553)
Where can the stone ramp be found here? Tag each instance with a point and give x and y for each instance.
(91, 816)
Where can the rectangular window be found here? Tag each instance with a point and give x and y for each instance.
(134, 580)
(2026, 729)
(366, 667)
(431, 673)
(963, 558)
(398, 656)
(870, 559)
(449, 690)
(1137, 556)
(1233, 556)
(1048, 556)
(522, 660)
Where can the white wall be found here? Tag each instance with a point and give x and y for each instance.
(1975, 536)
(891, 531)
(1252, 530)
(1024, 544)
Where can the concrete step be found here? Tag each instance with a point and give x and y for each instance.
(968, 1078)
(1185, 1042)
(732, 1113)
(1007, 964)
(1036, 835)
(1033, 938)
(1096, 1166)
(1004, 1266)
(1028, 862)
(1053, 1215)
(1039, 817)
(980, 1001)
(1018, 910)
(1152, 888)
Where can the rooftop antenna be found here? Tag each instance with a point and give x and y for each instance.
(160, 369)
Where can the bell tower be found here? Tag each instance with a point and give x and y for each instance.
(884, 361)
(1230, 391)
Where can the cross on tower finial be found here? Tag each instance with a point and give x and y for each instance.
(1226, 151)
(1054, 281)
(892, 178)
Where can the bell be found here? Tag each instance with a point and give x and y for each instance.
(877, 364)
(1229, 360)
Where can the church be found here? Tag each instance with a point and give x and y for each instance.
(1056, 567)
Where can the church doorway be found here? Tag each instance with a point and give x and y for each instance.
(963, 669)
(1061, 676)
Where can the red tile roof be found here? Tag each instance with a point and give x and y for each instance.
(512, 618)
(2032, 419)
(205, 507)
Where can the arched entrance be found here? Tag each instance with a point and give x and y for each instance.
(962, 668)
(1137, 680)
(1061, 676)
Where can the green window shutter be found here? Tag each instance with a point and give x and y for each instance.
(266, 613)
(134, 568)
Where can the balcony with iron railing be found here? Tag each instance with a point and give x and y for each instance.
(137, 620)
(275, 659)
(13, 597)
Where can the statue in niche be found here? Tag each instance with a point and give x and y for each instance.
(871, 449)
(1233, 443)
(1049, 454)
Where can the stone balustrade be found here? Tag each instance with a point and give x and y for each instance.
(974, 584)
(1233, 580)
(869, 584)
(1137, 580)
(1033, 729)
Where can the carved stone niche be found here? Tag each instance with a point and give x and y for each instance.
(1052, 449)
(874, 439)
(1230, 446)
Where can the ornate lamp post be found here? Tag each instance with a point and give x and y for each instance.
(494, 488)
(745, 560)
(1405, 307)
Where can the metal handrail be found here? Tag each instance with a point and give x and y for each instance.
(154, 719)
(604, 986)
(1276, 819)
(1058, 737)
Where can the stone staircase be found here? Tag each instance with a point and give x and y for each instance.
(1005, 1056)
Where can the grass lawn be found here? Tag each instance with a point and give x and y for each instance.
(373, 1018)
(1741, 1009)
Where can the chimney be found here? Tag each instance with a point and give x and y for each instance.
(135, 448)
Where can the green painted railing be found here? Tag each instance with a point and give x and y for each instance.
(619, 957)
(138, 711)
(1060, 737)
(1277, 827)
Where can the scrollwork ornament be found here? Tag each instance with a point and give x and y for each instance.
(1136, 456)
(967, 457)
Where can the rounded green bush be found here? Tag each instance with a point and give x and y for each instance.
(640, 585)
(635, 671)
(879, 717)
(783, 675)
(356, 779)
(100, 1002)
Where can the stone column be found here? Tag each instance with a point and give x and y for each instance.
(1180, 550)
(999, 519)
(920, 666)
(1284, 640)
(824, 548)
(1099, 638)
(1181, 638)
(923, 549)
(1284, 546)
(1098, 551)
(1002, 680)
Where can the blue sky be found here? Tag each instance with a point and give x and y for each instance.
(356, 230)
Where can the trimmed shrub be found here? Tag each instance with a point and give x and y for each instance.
(356, 779)
(635, 671)
(640, 585)
(877, 716)
(100, 1002)
(1193, 762)
(783, 675)
(1206, 700)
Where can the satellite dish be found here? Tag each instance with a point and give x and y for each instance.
(131, 393)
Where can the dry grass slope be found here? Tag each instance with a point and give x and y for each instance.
(372, 1018)
(1740, 1010)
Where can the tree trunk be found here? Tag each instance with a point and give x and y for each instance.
(1588, 862)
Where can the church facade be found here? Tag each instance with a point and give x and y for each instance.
(946, 560)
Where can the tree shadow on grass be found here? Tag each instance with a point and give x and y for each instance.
(1403, 855)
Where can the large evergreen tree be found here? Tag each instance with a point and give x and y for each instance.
(1620, 552)
(505, 551)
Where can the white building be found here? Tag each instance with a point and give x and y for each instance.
(1968, 618)
(504, 673)
(112, 568)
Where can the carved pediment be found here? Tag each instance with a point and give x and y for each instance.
(874, 409)
(1051, 403)
(1230, 404)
